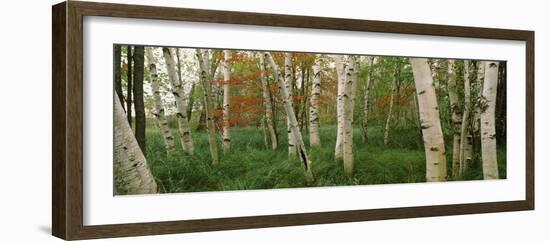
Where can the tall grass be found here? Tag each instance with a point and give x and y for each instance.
(249, 164)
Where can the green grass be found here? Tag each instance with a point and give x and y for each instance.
(249, 164)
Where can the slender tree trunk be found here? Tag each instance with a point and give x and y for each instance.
(465, 137)
(118, 77)
(289, 86)
(130, 88)
(434, 146)
(267, 104)
(158, 110)
(132, 175)
(314, 139)
(139, 103)
(204, 64)
(366, 99)
(456, 117)
(488, 131)
(340, 72)
(191, 102)
(178, 92)
(350, 74)
(390, 110)
(226, 95)
(300, 146)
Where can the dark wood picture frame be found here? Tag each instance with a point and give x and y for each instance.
(67, 123)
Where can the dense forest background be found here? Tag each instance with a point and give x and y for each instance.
(191, 120)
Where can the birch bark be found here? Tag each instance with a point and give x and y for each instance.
(204, 63)
(488, 131)
(314, 139)
(288, 86)
(132, 175)
(465, 137)
(390, 110)
(300, 146)
(349, 89)
(434, 146)
(181, 109)
(366, 93)
(158, 107)
(456, 117)
(226, 99)
(340, 73)
(267, 104)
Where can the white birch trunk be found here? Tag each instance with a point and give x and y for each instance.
(340, 72)
(488, 131)
(479, 94)
(390, 110)
(366, 94)
(226, 98)
(349, 89)
(181, 105)
(204, 64)
(288, 83)
(314, 139)
(158, 107)
(434, 146)
(132, 175)
(300, 146)
(465, 147)
(267, 105)
(456, 117)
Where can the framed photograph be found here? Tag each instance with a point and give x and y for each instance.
(172, 120)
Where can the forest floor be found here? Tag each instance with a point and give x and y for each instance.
(249, 164)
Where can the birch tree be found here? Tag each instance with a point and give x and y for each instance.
(158, 107)
(132, 174)
(366, 94)
(300, 146)
(349, 89)
(434, 145)
(456, 116)
(465, 136)
(178, 93)
(226, 98)
(289, 86)
(314, 139)
(268, 106)
(478, 97)
(340, 73)
(390, 109)
(204, 64)
(488, 131)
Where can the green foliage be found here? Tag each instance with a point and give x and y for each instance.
(249, 164)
